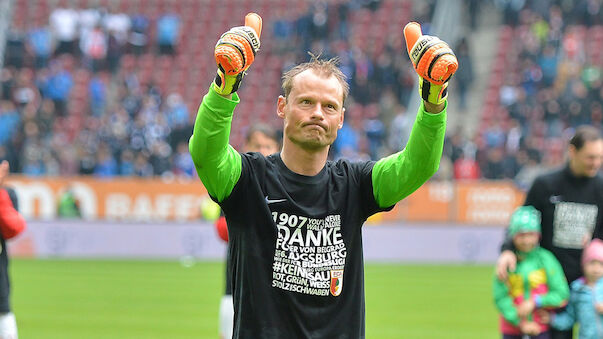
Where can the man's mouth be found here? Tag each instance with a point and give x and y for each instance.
(311, 124)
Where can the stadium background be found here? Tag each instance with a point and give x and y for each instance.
(97, 103)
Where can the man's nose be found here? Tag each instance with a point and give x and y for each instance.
(317, 112)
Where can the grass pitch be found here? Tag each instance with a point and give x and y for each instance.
(156, 299)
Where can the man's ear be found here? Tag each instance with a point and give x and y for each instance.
(340, 125)
(280, 106)
(571, 151)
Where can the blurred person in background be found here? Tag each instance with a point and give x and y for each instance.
(526, 291)
(64, 25)
(68, 206)
(585, 307)
(296, 200)
(11, 225)
(465, 75)
(168, 33)
(570, 200)
(262, 139)
(40, 45)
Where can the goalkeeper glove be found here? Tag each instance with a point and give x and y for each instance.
(434, 62)
(235, 52)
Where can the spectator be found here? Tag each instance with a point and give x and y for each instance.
(400, 129)
(15, 47)
(63, 23)
(126, 163)
(183, 163)
(466, 168)
(176, 111)
(118, 26)
(88, 18)
(9, 121)
(465, 74)
(168, 31)
(94, 49)
(58, 86)
(106, 166)
(142, 168)
(139, 35)
(97, 91)
(40, 45)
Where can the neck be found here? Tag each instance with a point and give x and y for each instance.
(304, 161)
(573, 169)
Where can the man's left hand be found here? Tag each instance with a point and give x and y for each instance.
(434, 62)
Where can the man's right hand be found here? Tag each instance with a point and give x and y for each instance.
(434, 62)
(507, 262)
(235, 52)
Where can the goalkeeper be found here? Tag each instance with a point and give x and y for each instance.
(295, 218)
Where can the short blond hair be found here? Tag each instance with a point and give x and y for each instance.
(326, 68)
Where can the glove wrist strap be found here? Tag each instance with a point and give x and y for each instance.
(227, 84)
(435, 94)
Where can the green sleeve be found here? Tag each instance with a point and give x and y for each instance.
(218, 164)
(398, 175)
(558, 290)
(504, 303)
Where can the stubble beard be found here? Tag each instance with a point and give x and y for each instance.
(312, 140)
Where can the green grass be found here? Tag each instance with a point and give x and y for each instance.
(155, 299)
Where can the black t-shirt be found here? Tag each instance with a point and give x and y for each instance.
(571, 208)
(228, 280)
(296, 249)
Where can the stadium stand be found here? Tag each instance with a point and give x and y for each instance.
(545, 80)
(104, 96)
(101, 89)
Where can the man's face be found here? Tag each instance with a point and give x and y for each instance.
(586, 162)
(260, 142)
(314, 110)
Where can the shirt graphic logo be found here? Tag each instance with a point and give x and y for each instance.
(273, 201)
(336, 282)
(555, 199)
(572, 222)
(309, 254)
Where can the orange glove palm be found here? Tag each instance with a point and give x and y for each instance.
(235, 52)
(433, 60)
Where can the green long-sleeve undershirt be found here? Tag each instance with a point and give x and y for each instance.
(394, 177)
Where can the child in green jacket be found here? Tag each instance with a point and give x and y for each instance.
(537, 283)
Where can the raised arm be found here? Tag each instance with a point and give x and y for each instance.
(397, 176)
(218, 164)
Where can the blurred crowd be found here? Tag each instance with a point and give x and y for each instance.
(551, 83)
(68, 107)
